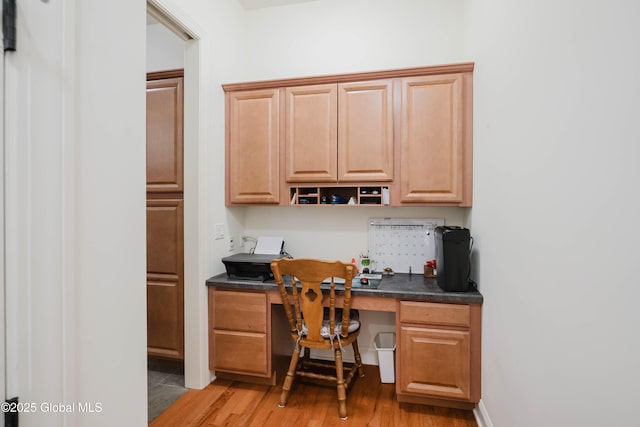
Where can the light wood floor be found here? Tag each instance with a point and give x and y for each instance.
(369, 402)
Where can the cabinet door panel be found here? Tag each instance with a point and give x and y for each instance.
(253, 147)
(365, 131)
(165, 316)
(165, 228)
(240, 352)
(164, 135)
(435, 363)
(311, 133)
(431, 155)
(165, 278)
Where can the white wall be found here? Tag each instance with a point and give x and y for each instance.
(556, 147)
(331, 232)
(165, 50)
(339, 36)
(109, 229)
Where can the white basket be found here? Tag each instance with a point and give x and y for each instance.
(385, 343)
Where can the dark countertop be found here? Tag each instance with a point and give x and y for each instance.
(401, 285)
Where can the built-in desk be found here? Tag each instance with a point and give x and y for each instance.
(437, 334)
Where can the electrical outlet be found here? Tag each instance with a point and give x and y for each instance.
(218, 231)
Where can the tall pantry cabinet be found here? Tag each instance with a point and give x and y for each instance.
(165, 218)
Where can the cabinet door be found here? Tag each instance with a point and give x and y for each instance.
(435, 362)
(253, 151)
(365, 131)
(165, 278)
(432, 140)
(164, 135)
(311, 133)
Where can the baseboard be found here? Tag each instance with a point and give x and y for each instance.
(482, 416)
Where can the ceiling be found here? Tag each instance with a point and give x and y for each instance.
(259, 4)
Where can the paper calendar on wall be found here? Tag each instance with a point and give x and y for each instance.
(402, 243)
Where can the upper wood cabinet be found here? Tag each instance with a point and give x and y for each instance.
(164, 135)
(339, 132)
(435, 146)
(409, 130)
(365, 131)
(253, 147)
(311, 133)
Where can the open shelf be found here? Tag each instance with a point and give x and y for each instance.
(337, 195)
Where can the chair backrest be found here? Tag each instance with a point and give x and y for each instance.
(304, 276)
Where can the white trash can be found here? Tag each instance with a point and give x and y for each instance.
(385, 343)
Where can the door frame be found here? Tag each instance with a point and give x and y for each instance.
(196, 369)
(3, 362)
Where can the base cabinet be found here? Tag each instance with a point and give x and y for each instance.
(437, 347)
(438, 352)
(238, 333)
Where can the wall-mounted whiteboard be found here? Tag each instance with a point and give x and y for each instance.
(402, 243)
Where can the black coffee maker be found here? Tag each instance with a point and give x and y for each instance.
(453, 245)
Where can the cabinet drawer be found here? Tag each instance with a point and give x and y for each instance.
(240, 352)
(240, 311)
(430, 313)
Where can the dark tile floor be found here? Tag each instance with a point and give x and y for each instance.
(165, 385)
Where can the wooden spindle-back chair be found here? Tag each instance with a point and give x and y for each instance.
(312, 327)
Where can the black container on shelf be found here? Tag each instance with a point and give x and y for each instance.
(453, 245)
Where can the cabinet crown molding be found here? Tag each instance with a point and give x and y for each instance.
(352, 77)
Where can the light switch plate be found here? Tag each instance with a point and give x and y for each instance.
(218, 231)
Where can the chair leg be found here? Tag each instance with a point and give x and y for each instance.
(356, 354)
(306, 357)
(288, 380)
(342, 392)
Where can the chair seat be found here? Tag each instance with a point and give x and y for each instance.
(354, 325)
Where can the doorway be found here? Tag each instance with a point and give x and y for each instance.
(165, 216)
(165, 240)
